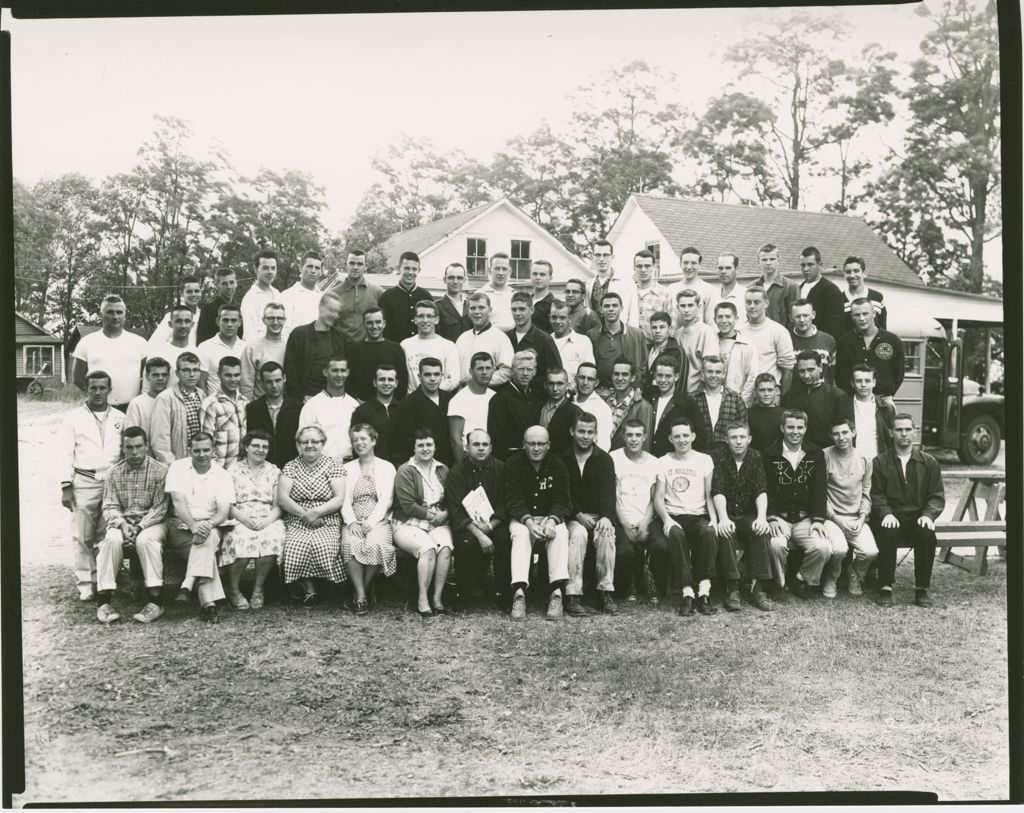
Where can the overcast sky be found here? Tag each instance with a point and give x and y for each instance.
(322, 94)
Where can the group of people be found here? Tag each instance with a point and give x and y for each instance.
(625, 425)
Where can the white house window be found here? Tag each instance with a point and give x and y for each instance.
(476, 256)
(520, 259)
(37, 357)
(655, 249)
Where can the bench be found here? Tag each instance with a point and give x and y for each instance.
(969, 530)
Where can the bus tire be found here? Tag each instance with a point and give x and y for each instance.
(979, 445)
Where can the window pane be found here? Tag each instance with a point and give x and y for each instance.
(912, 358)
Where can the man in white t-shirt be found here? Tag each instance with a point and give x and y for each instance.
(468, 408)
(191, 294)
(873, 417)
(428, 344)
(182, 327)
(686, 514)
(573, 348)
(224, 343)
(113, 350)
(499, 292)
(261, 294)
(202, 494)
(483, 337)
(635, 473)
(331, 409)
(302, 301)
(771, 341)
(690, 259)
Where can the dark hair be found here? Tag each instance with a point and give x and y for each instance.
(691, 250)
(256, 434)
(604, 242)
(270, 367)
(356, 252)
(560, 304)
(762, 378)
(801, 302)
(809, 355)
(767, 248)
(660, 316)
(409, 255)
(422, 433)
(228, 361)
(862, 368)
(624, 360)
(688, 293)
(523, 296)
(634, 423)
(156, 361)
(682, 420)
(497, 255)
(388, 368)
(729, 306)
(583, 364)
(188, 356)
(796, 414)
(611, 295)
(647, 255)
(735, 259)
(577, 281)
(228, 306)
(429, 361)
(862, 300)
(811, 251)
(858, 260)
(201, 435)
(583, 417)
(480, 356)
(264, 254)
(904, 416)
(190, 278)
(844, 419)
(665, 361)
(134, 432)
(454, 265)
(224, 272)
(180, 306)
(556, 371)
(311, 255)
(736, 425)
(367, 428)
(334, 358)
(373, 309)
(426, 303)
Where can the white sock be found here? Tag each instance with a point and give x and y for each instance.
(704, 588)
(687, 591)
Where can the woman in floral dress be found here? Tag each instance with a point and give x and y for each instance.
(311, 490)
(366, 534)
(258, 532)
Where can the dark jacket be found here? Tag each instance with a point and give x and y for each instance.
(373, 412)
(881, 313)
(450, 323)
(674, 352)
(541, 492)
(884, 356)
(740, 488)
(920, 493)
(363, 358)
(466, 476)
(593, 490)
(560, 425)
(885, 418)
(639, 410)
(417, 411)
(828, 302)
(301, 378)
(542, 312)
(794, 495)
(207, 327)
(731, 409)
(681, 406)
(629, 342)
(824, 405)
(257, 416)
(510, 413)
(548, 357)
(765, 426)
(399, 307)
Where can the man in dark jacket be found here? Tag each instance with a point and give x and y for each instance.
(514, 408)
(399, 303)
(426, 407)
(671, 402)
(275, 412)
(907, 497)
(453, 306)
(592, 488)
(477, 538)
(378, 409)
(823, 403)
(869, 344)
(527, 336)
(538, 500)
(764, 415)
(797, 481)
(855, 271)
(558, 412)
(310, 347)
(364, 357)
(227, 285)
(823, 294)
(872, 417)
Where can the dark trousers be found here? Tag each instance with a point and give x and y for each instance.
(629, 562)
(692, 548)
(756, 563)
(908, 535)
(471, 562)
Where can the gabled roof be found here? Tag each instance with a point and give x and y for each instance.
(420, 238)
(28, 332)
(716, 228)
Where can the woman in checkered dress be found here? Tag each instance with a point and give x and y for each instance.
(311, 491)
(366, 545)
(421, 520)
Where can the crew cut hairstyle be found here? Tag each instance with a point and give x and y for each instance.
(409, 255)
(584, 417)
(811, 251)
(691, 250)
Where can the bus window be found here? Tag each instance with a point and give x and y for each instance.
(912, 358)
(934, 355)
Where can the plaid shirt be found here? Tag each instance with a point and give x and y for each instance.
(224, 418)
(739, 487)
(135, 495)
(193, 406)
(732, 409)
(650, 301)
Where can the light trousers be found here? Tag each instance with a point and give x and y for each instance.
(202, 563)
(820, 551)
(522, 553)
(865, 551)
(86, 523)
(111, 551)
(604, 548)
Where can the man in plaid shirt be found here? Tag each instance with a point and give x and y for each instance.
(717, 406)
(222, 413)
(134, 507)
(651, 296)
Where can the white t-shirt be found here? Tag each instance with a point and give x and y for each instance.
(773, 346)
(438, 347)
(903, 464)
(202, 491)
(805, 288)
(211, 352)
(252, 305)
(301, 306)
(574, 349)
(170, 353)
(597, 407)
(334, 415)
(501, 305)
(120, 358)
(633, 482)
(491, 341)
(661, 403)
(472, 408)
(684, 483)
(714, 406)
(867, 430)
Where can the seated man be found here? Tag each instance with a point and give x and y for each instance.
(478, 539)
(740, 494)
(682, 500)
(202, 494)
(795, 471)
(134, 507)
(635, 473)
(848, 503)
(626, 401)
(592, 489)
(669, 402)
(537, 496)
(558, 411)
(906, 498)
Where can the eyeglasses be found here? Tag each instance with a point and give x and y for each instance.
(311, 442)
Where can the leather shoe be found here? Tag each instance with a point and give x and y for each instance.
(884, 599)
(606, 603)
(761, 601)
(686, 606)
(732, 602)
(705, 607)
(574, 607)
(921, 598)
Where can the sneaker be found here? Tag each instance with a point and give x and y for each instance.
(575, 607)
(239, 602)
(761, 601)
(829, 589)
(732, 602)
(921, 598)
(86, 594)
(106, 614)
(884, 599)
(855, 587)
(631, 599)
(606, 603)
(151, 612)
(209, 614)
(519, 608)
(256, 602)
(555, 607)
(686, 606)
(705, 607)
(184, 596)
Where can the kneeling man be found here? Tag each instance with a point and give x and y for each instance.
(134, 507)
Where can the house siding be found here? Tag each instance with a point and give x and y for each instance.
(632, 232)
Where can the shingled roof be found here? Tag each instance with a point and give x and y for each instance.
(420, 238)
(716, 228)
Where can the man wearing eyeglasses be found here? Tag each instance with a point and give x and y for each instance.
(269, 347)
(453, 307)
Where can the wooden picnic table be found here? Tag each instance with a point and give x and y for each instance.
(969, 527)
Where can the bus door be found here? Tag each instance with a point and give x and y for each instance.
(951, 391)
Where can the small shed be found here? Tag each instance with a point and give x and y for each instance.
(38, 352)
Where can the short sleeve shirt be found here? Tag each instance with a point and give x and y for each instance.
(633, 481)
(202, 491)
(684, 483)
(120, 358)
(472, 408)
